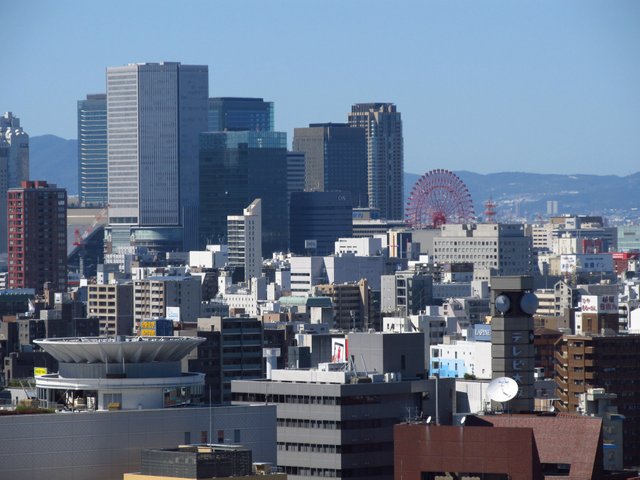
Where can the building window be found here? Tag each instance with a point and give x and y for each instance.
(112, 399)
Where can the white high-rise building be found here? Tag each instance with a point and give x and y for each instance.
(14, 165)
(155, 112)
(244, 234)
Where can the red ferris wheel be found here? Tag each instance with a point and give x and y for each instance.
(438, 197)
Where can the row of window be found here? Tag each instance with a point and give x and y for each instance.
(333, 449)
(357, 424)
(308, 399)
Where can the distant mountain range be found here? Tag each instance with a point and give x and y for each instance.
(55, 160)
(525, 195)
(517, 195)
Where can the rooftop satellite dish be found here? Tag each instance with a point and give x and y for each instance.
(552, 409)
(502, 389)
(462, 420)
(428, 419)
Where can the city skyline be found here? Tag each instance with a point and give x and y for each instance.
(489, 87)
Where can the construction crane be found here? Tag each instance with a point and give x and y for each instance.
(79, 240)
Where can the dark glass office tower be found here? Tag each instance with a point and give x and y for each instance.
(234, 114)
(335, 159)
(383, 129)
(92, 150)
(235, 169)
(317, 220)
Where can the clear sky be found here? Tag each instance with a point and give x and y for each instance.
(538, 86)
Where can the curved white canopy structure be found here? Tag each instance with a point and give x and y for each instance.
(119, 350)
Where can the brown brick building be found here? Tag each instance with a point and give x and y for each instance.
(501, 447)
(609, 362)
(544, 342)
(37, 236)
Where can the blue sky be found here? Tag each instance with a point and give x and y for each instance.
(544, 86)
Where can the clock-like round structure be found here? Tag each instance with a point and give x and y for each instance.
(503, 304)
(529, 303)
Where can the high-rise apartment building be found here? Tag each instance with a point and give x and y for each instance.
(235, 169)
(335, 159)
(112, 304)
(244, 237)
(14, 165)
(233, 114)
(155, 112)
(92, 150)
(385, 158)
(609, 362)
(153, 295)
(37, 226)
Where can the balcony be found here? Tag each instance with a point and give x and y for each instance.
(560, 358)
(561, 371)
(561, 383)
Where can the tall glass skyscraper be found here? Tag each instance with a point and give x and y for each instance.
(335, 159)
(383, 129)
(235, 169)
(92, 150)
(155, 112)
(232, 114)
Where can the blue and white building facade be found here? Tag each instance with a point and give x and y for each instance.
(457, 358)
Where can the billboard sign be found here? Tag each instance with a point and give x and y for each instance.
(482, 332)
(599, 304)
(173, 313)
(339, 350)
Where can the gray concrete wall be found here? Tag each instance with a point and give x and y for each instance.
(105, 445)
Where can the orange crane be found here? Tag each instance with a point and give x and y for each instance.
(79, 238)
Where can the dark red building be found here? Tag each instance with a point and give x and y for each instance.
(37, 236)
(503, 447)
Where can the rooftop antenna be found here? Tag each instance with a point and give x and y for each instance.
(366, 371)
(210, 417)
